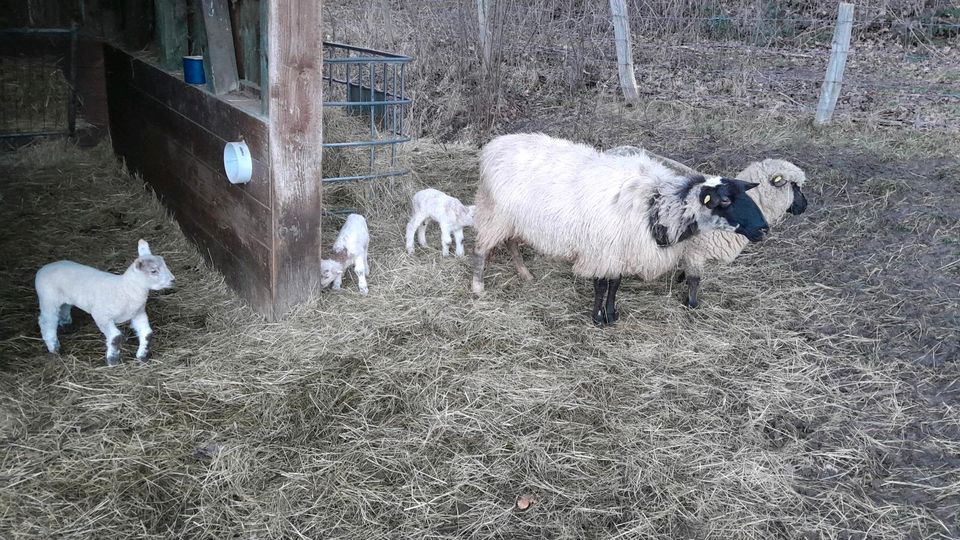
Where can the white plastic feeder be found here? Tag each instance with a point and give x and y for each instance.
(237, 162)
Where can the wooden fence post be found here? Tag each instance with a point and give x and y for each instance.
(486, 37)
(830, 90)
(170, 31)
(621, 30)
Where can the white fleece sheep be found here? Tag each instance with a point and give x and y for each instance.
(109, 298)
(778, 193)
(350, 249)
(610, 215)
(452, 216)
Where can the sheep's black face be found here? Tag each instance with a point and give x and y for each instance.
(799, 202)
(728, 199)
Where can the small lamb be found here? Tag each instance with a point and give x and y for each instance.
(431, 204)
(350, 249)
(109, 298)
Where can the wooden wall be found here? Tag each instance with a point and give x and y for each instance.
(173, 134)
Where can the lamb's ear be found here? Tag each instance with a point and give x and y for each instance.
(143, 248)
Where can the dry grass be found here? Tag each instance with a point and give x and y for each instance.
(797, 404)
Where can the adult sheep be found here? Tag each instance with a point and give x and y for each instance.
(609, 215)
(779, 193)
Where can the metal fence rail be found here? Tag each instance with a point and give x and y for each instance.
(367, 85)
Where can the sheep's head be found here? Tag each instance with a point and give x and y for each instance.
(780, 186)
(152, 269)
(330, 270)
(468, 215)
(728, 207)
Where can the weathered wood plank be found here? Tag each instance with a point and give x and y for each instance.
(830, 90)
(171, 32)
(296, 113)
(230, 228)
(250, 40)
(222, 119)
(221, 56)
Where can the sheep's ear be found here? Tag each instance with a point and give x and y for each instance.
(143, 248)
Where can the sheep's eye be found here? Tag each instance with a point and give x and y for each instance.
(154, 271)
(777, 180)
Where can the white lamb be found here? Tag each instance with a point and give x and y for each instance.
(778, 193)
(109, 298)
(609, 215)
(350, 249)
(431, 204)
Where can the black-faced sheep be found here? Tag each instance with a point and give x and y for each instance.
(350, 249)
(610, 215)
(779, 193)
(109, 298)
(452, 216)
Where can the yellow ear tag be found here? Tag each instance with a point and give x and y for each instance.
(706, 199)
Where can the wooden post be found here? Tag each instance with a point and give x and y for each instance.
(221, 56)
(830, 90)
(295, 93)
(621, 30)
(264, 42)
(171, 32)
(486, 35)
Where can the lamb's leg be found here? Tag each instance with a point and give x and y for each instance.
(458, 238)
(422, 233)
(49, 315)
(360, 267)
(113, 335)
(412, 225)
(141, 324)
(693, 284)
(599, 289)
(445, 238)
(338, 282)
(65, 321)
(514, 246)
(611, 311)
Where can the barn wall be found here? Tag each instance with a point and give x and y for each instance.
(173, 134)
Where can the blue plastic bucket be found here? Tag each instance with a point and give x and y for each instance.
(193, 70)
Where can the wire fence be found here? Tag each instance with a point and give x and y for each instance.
(903, 67)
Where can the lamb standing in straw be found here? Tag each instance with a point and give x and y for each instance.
(109, 298)
(451, 214)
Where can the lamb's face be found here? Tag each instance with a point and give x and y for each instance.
(330, 270)
(729, 204)
(154, 272)
(779, 192)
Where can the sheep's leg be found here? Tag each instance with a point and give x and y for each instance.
(412, 225)
(445, 238)
(360, 267)
(422, 233)
(479, 261)
(338, 282)
(599, 289)
(514, 246)
(49, 315)
(693, 284)
(65, 320)
(611, 311)
(113, 335)
(458, 238)
(141, 325)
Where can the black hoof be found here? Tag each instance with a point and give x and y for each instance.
(605, 318)
(612, 316)
(692, 304)
(113, 360)
(143, 359)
